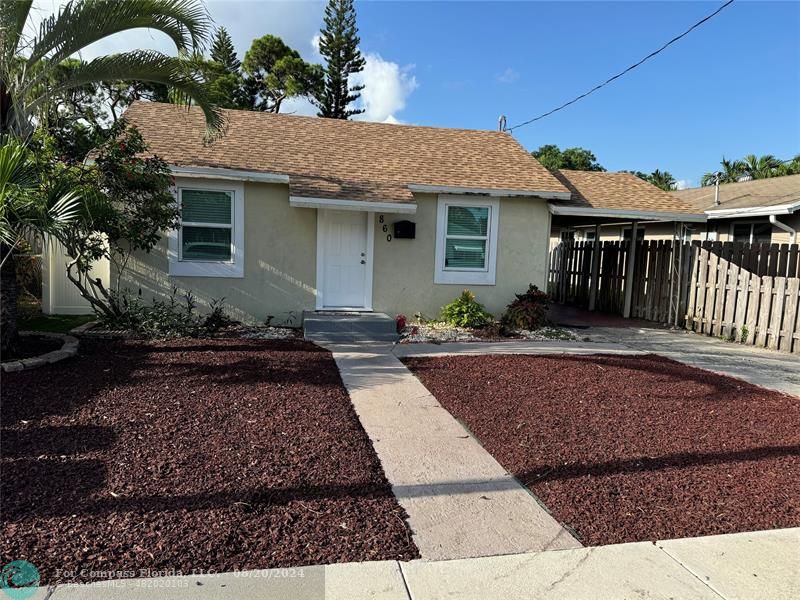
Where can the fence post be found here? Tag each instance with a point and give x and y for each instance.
(595, 283)
(631, 259)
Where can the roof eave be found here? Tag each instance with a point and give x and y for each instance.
(228, 174)
(634, 215)
(754, 211)
(359, 205)
(495, 192)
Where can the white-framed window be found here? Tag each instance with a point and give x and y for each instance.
(209, 241)
(466, 240)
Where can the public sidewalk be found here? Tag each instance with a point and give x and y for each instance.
(748, 566)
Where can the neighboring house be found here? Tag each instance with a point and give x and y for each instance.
(607, 204)
(760, 210)
(287, 213)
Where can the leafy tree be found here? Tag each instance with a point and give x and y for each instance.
(754, 167)
(32, 73)
(339, 45)
(661, 179)
(223, 52)
(26, 210)
(128, 204)
(79, 119)
(274, 71)
(30, 76)
(791, 167)
(578, 159)
(761, 167)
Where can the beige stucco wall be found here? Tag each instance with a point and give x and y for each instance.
(280, 261)
(404, 269)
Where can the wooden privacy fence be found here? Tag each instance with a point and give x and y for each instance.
(746, 293)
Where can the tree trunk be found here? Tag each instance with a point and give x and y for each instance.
(9, 336)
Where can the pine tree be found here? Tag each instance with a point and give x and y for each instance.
(223, 52)
(339, 45)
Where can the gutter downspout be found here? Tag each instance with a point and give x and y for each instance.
(792, 232)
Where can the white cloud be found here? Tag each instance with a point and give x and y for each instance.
(315, 44)
(387, 86)
(683, 184)
(508, 76)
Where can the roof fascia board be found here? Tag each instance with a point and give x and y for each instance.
(228, 174)
(578, 211)
(754, 211)
(493, 192)
(361, 205)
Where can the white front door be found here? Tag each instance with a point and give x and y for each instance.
(344, 254)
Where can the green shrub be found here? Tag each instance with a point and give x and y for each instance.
(528, 311)
(170, 318)
(465, 311)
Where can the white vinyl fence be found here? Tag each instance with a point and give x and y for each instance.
(59, 294)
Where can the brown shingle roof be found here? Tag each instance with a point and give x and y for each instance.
(354, 160)
(621, 191)
(745, 194)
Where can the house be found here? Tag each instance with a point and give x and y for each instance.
(607, 206)
(760, 210)
(286, 213)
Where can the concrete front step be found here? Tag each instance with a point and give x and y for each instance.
(349, 327)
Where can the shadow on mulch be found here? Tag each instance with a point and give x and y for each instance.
(631, 448)
(190, 455)
(63, 440)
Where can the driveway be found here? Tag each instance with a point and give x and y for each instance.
(768, 368)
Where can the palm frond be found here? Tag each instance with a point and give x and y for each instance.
(83, 22)
(13, 16)
(152, 66)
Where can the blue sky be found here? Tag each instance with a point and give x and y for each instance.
(731, 87)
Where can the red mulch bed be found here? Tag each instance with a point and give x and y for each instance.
(191, 456)
(624, 448)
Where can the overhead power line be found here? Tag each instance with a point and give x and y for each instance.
(620, 74)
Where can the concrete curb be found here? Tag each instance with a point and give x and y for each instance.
(68, 349)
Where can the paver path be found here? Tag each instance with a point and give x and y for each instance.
(461, 503)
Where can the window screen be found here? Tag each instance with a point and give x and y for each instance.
(466, 237)
(207, 227)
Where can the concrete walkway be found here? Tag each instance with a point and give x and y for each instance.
(748, 566)
(460, 502)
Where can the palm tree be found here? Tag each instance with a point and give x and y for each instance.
(30, 67)
(662, 179)
(761, 167)
(731, 172)
(26, 209)
(32, 77)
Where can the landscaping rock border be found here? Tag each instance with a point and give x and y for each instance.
(68, 349)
